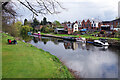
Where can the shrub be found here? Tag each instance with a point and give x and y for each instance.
(25, 30)
(15, 29)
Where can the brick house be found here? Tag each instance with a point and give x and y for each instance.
(68, 27)
(115, 24)
(83, 24)
(88, 24)
(110, 25)
(70, 30)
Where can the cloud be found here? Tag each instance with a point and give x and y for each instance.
(83, 9)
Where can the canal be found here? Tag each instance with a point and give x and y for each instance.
(85, 60)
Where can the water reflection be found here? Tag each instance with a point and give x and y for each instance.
(86, 60)
(26, 38)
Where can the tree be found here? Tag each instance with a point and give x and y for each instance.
(44, 21)
(57, 23)
(25, 22)
(8, 18)
(16, 29)
(40, 7)
(35, 23)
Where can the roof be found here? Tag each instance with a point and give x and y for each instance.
(106, 21)
(116, 19)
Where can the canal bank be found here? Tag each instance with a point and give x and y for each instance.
(23, 60)
(113, 41)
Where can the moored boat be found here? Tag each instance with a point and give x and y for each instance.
(69, 38)
(101, 42)
(81, 39)
(37, 34)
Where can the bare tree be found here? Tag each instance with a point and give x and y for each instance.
(36, 7)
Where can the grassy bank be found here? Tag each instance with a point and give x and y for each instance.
(26, 61)
(85, 36)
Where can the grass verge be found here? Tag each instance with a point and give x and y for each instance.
(26, 61)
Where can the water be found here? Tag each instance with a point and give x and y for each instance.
(86, 60)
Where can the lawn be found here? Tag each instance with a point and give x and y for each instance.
(26, 61)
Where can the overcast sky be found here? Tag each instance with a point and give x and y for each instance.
(79, 10)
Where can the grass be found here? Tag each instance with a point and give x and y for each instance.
(26, 61)
(85, 36)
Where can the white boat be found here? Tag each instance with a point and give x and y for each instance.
(81, 40)
(101, 42)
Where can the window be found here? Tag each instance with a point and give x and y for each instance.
(92, 25)
(84, 25)
(95, 25)
(75, 28)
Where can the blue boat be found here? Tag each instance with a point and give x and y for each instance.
(90, 42)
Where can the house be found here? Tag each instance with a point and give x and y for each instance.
(88, 24)
(68, 28)
(75, 26)
(110, 25)
(59, 30)
(106, 25)
(95, 24)
(79, 25)
(83, 24)
(115, 24)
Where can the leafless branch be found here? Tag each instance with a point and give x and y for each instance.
(40, 7)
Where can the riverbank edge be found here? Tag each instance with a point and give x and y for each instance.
(52, 56)
(84, 36)
(112, 42)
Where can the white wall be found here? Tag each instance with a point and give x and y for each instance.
(75, 27)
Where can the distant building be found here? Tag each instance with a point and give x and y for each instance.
(106, 25)
(83, 24)
(75, 26)
(115, 24)
(79, 25)
(111, 25)
(88, 24)
(59, 30)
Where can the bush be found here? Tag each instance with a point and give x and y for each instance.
(25, 30)
(15, 29)
(47, 29)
